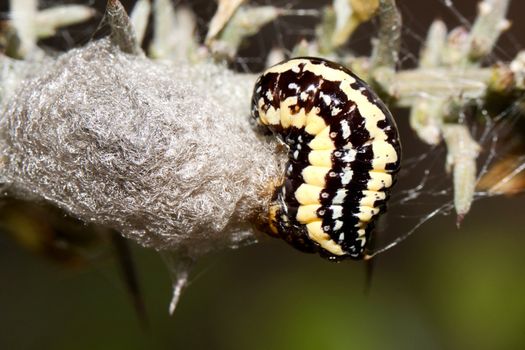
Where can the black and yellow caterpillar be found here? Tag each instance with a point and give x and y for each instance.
(344, 154)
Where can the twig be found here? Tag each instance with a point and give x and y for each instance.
(461, 159)
(139, 18)
(426, 114)
(388, 43)
(409, 85)
(490, 23)
(174, 33)
(225, 11)
(31, 24)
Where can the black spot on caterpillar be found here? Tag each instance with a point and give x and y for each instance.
(344, 154)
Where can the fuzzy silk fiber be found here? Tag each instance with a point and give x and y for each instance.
(163, 153)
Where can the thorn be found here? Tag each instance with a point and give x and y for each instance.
(179, 264)
(130, 276)
(178, 286)
(122, 32)
(459, 220)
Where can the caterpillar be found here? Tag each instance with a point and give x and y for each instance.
(343, 155)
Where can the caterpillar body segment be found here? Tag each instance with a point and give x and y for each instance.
(344, 154)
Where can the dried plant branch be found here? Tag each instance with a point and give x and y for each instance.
(157, 149)
(449, 77)
(429, 90)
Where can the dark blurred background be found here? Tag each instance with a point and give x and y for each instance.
(443, 288)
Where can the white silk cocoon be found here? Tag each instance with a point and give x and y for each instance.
(163, 153)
